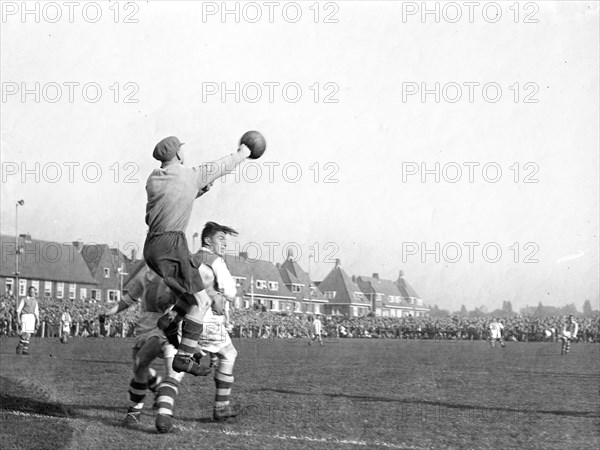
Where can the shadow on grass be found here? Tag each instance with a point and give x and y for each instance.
(28, 418)
(525, 408)
(28, 402)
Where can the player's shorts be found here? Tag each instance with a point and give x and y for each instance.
(168, 255)
(166, 349)
(28, 323)
(214, 336)
(66, 328)
(496, 335)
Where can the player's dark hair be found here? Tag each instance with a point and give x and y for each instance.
(212, 228)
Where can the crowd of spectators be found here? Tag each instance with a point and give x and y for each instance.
(258, 324)
(84, 314)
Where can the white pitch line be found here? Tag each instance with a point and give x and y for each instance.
(283, 437)
(33, 415)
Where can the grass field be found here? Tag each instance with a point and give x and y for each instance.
(347, 394)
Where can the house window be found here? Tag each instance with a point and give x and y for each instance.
(273, 285)
(95, 294)
(82, 293)
(261, 284)
(313, 291)
(72, 291)
(9, 285)
(358, 296)
(296, 288)
(47, 288)
(246, 304)
(22, 286)
(275, 305)
(106, 272)
(36, 285)
(113, 296)
(329, 294)
(60, 290)
(239, 281)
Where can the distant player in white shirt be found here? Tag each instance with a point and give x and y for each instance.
(28, 313)
(569, 332)
(65, 325)
(317, 330)
(496, 331)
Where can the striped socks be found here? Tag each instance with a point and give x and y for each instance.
(190, 334)
(167, 392)
(223, 384)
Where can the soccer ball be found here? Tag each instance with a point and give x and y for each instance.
(255, 142)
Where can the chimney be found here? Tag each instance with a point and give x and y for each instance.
(401, 275)
(244, 255)
(133, 254)
(278, 265)
(338, 262)
(290, 254)
(354, 278)
(376, 276)
(78, 245)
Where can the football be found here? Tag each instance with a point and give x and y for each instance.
(255, 142)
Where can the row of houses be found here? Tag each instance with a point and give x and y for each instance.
(80, 271)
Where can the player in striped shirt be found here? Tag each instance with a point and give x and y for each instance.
(221, 288)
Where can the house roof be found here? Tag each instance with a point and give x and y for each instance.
(132, 270)
(45, 260)
(379, 286)
(337, 280)
(405, 288)
(243, 267)
(292, 273)
(384, 287)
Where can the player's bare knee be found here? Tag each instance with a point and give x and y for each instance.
(228, 354)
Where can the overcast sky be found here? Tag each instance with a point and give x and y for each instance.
(338, 96)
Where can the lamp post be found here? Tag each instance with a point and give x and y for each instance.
(122, 273)
(194, 242)
(17, 249)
